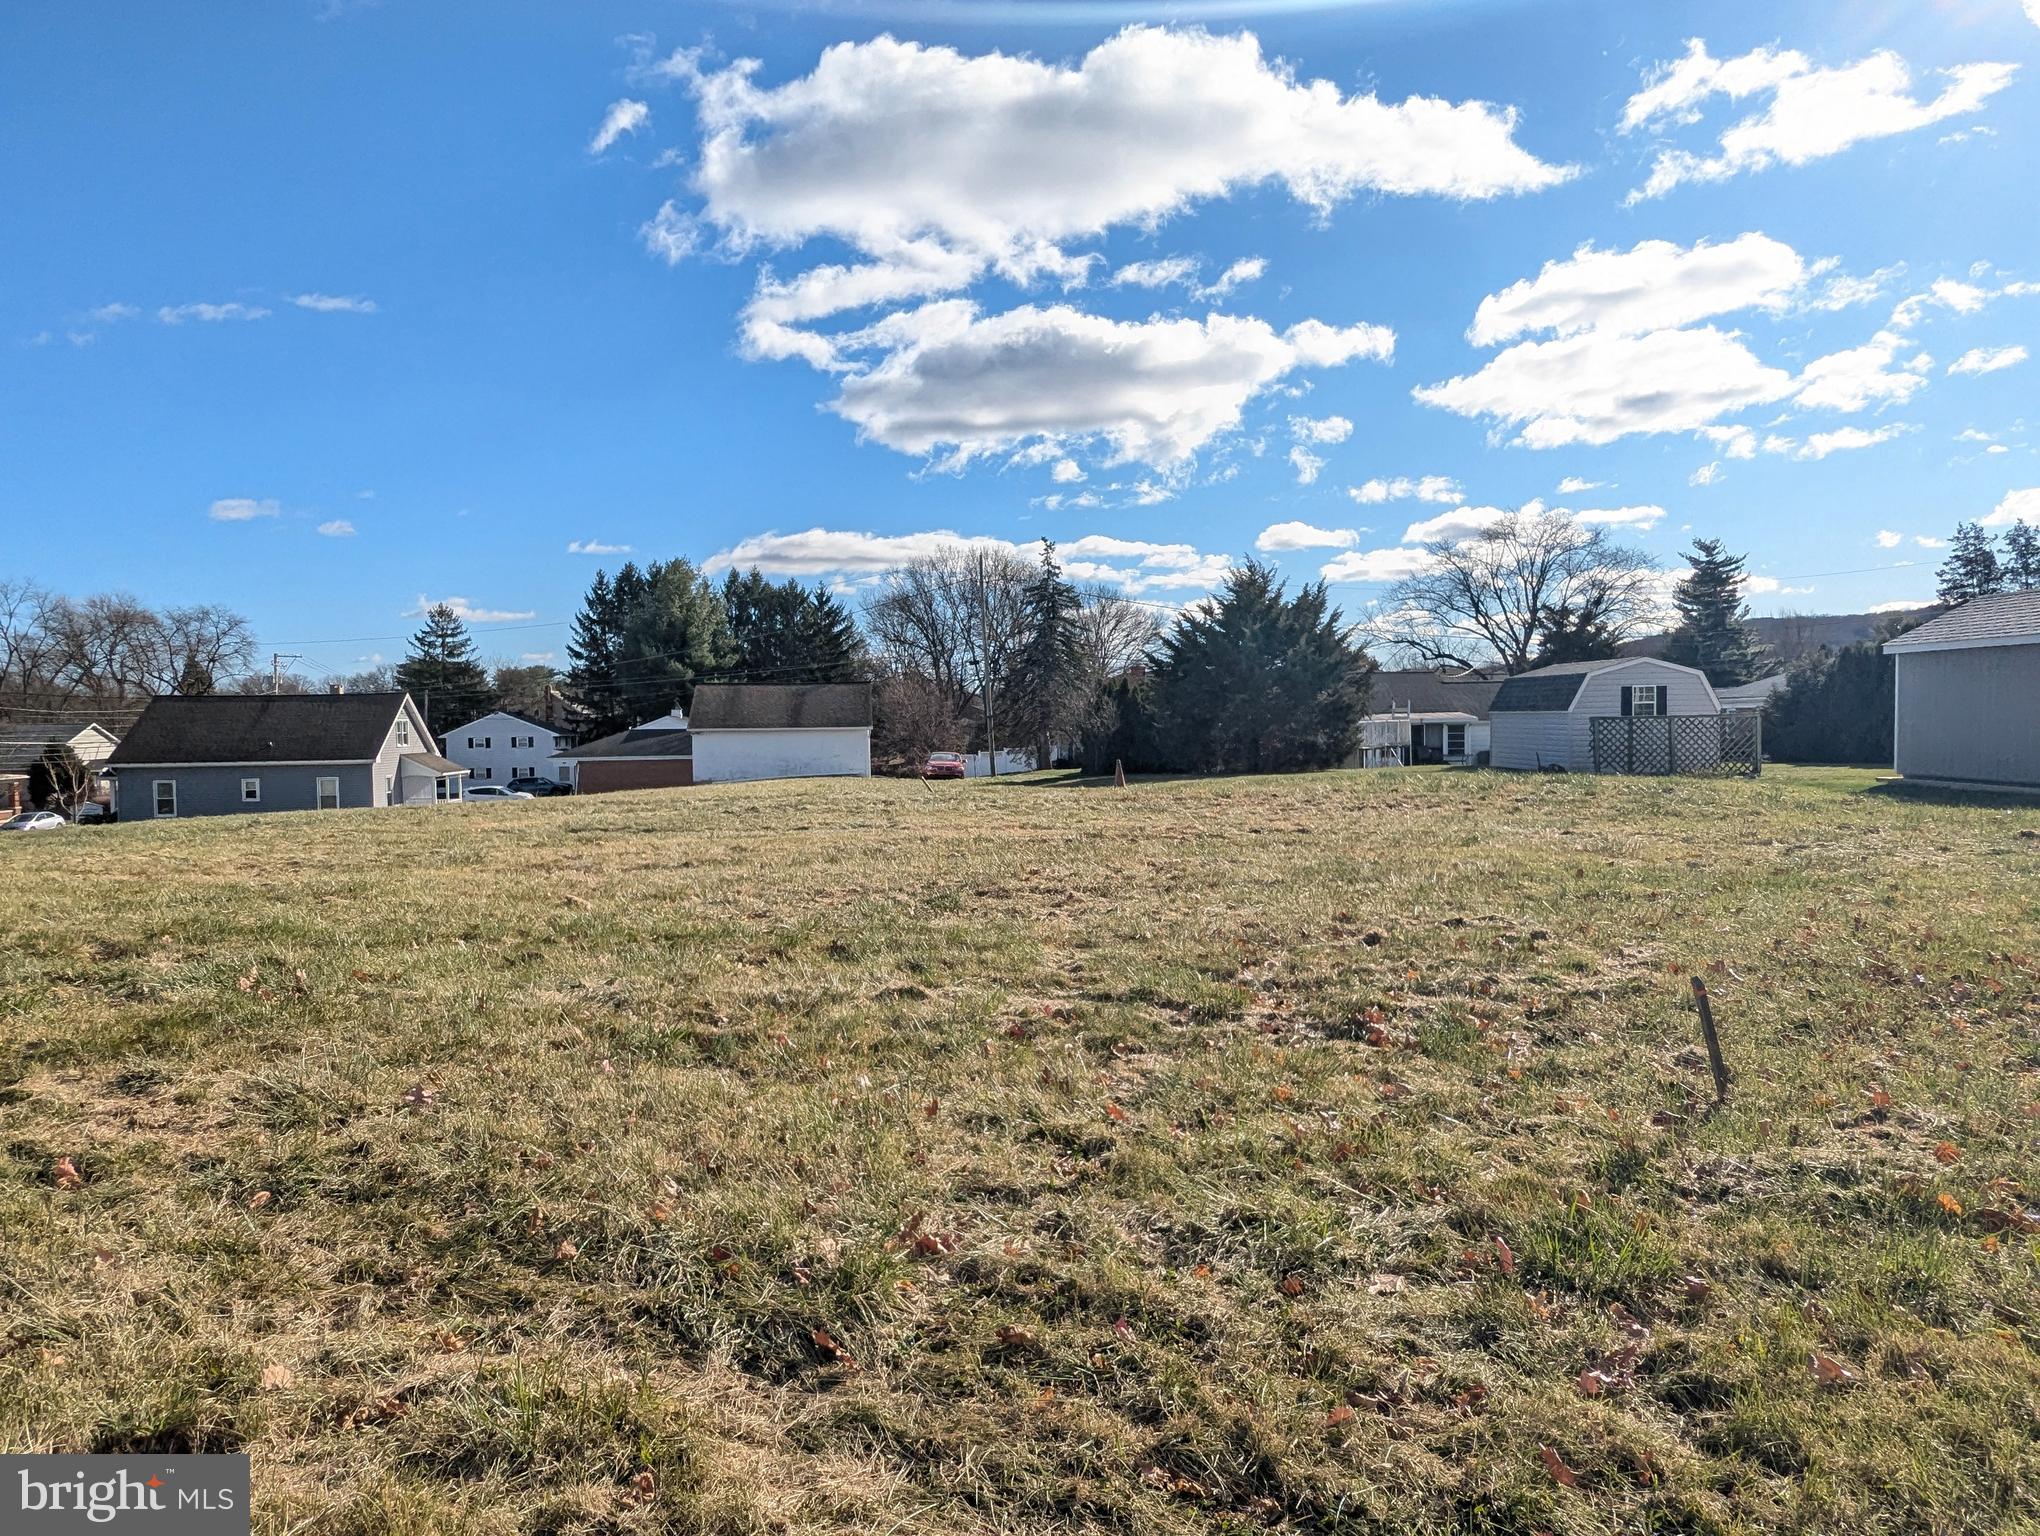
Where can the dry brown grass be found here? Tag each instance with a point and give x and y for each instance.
(1236, 1154)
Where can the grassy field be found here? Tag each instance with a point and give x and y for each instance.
(1328, 1153)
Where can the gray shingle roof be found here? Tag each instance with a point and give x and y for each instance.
(635, 744)
(1430, 692)
(779, 706)
(260, 728)
(2011, 618)
(1553, 687)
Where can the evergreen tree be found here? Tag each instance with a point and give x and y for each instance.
(1572, 632)
(1258, 681)
(1972, 568)
(786, 633)
(832, 649)
(1044, 691)
(1835, 708)
(441, 673)
(1713, 633)
(674, 630)
(596, 648)
(2022, 557)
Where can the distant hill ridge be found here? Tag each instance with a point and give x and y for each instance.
(1792, 635)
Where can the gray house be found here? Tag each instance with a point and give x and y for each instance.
(1967, 706)
(222, 754)
(1635, 714)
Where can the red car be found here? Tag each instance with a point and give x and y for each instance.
(944, 765)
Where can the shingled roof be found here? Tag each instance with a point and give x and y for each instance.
(2009, 618)
(1553, 687)
(633, 743)
(260, 728)
(780, 706)
(1430, 692)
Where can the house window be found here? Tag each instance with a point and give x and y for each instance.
(471, 743)
(485, 743)
(403, 732)
(251, 791)
(1649, 701)
(390, 788)
(1455, 741)
(488, 773)
(166, 797)
(329, 794)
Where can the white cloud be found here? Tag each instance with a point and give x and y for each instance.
(1279, 536)
(1375, 565)
(1412, 555)
(1843, 291)
(2033, 12)
(1988, 359)
(536, 658)
(1460, 523)
(1851, 380)
(334, 303)
(1306, 464)
(1997, 448)
(243, 509)
(1706, 474)
(1441, 489)
(1848, 439)
(107, 314)
(1653, 286)
(465, 610)
(625, 116)
(1007, 157)
(947, 377)
(1642, 518)
(1133, 564)
(1906, 604)
(177, 314)
(1888, 538)
(1812, 112)
(1734, 442)
(1156, 274)
(1066, 472)
(1320, 429)
(595, 547)
(669, 234)
(1248, 269)
(2017, 507)
(1974, 435)
(1572, 485)
(1927, 541)
(1596, 387)
(338, 528)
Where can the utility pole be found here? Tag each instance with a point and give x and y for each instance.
(276, 661)
(985, 662)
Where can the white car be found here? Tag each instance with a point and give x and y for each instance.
(492, 792)
(33, 821)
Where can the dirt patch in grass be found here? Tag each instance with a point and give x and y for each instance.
(1328, 1153)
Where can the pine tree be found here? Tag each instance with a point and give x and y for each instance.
(441, 673)
(675, 629)
(1575, 633)
(1042, 694)
(2022, 557)
(831, 648)
(1972, 568)
(1713, 633)
(1258, 681)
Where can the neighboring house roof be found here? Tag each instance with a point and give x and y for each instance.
(1555, 687)
(2009, 618)
(633, 743)
(261, 728)
(22, 746)
(1751, 695)
(511, 714)
(1430, 692)
(781, 706)
(432, 762)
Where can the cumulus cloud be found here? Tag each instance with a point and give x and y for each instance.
(2017, 507)
(623, 117)
(1320, 429)
(1442, 489)
(945, 378)
(1375, 565)
(1572, 485)
(243, 509)
(1812, 112)
(1134, 565)
(1888, 538)
(1306, 464)
(1652, 286)
(1734, 442)
(463, 609)
(1412, 555)
(1281, 536)
(212, 314)
(1859, 377)
(338, 528)
(595, 547)
(1156, 274)
(1848, 439)
(1066, 472)
(1988, 359)
(334, 303)
(1706, 474)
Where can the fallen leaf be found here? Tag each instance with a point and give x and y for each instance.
(1343, 1414)
(276, 1378)
(1292, 1285)
(1385, 1284)
(831, 1350)
(1947, 1152)
(1830, 1372)
(66, 1173)
(1555, 1465)
(566, 1250)
(260, 1198)
(1698, 1288)
(660, 1211)
(1948, 1203)
(1114, 1112)
(1506, 1256)
(644, 1487)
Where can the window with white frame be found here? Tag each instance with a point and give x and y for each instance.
(329, 793)
(403, 731)
(488, 773)
(1455, 741)
(251, 791)
(1648, 701)
(166, 797)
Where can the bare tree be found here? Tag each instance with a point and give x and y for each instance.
(1479, 601)
(913, 715)
(31, 655)
(1114, 632)
(957, 617)
(197, 648)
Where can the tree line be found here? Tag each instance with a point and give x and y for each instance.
(110, 653)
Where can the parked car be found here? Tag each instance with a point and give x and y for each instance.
(93, 812)
(945, 765)
(539, 786)
(493, 792)
(33, 821)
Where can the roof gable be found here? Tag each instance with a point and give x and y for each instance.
(262, 728)
(781, 706)
(2008, 618)
(508, 714)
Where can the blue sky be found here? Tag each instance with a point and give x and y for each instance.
(317, 309)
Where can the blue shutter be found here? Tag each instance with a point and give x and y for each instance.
(1628, 699)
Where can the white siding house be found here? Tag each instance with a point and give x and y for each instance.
(1544, 719)
(501, 746)
(780, 731)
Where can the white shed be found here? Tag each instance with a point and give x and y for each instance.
(1545, 719)
(781, 731)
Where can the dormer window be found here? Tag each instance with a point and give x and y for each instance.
(403, 731)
